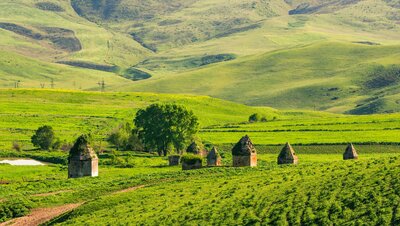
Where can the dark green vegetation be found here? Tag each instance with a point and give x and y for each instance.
(44, 138)
(49, 6)
(161, 127)
(324, 56)
(136, 74)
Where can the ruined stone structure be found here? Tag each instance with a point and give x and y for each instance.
(213, 158)
(244, 153)
(174, 160)
(82, 160)
(287, 155)
(350, 153)
(197, 148)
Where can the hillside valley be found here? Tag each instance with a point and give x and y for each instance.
(335, 56)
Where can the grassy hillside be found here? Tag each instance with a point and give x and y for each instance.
(328, 76)
(99, 45)
(285, 54)
(72, 113)
(34, 73)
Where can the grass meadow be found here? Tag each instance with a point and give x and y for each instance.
(322, 189)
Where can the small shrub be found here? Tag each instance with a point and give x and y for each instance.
(14, 208)
(191, 159)
(17, 146)
(43, 138)
(254, 118)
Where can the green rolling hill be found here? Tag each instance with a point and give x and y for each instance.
(336, 56)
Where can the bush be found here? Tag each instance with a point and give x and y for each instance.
(44, 137)
(255, 118)
(119, 162)
(17, 146)
(14, 208)
(191, 159)
(124, 138)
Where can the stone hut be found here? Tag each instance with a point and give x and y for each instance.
(213, 158)
(82, 160)
(350, 153)
(197, 148)
(244, 153)
(174, 160)
(287, 155)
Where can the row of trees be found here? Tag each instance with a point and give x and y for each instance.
(159, 128)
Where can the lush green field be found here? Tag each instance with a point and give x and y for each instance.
(344, 193)
(73, 113)
(322, 189)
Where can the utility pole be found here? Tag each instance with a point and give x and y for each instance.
(16, 84)
(102, 85)
(52, 83)
(42, 85)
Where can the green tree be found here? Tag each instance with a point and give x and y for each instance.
(160, 126)
(44, 137)
(125, 138)
(255, 117)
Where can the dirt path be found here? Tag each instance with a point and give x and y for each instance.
(41, 215)
(51, 193)
(130, 189)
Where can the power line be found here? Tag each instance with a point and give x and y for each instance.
(102, 85)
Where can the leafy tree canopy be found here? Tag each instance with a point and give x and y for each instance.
(44, 137)
(161, 126)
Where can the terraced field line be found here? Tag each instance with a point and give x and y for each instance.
(41, 215)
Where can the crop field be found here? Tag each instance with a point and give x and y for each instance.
(322, 189)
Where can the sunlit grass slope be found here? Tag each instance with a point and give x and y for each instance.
(72, 113)
(34, 73)
(99, 45)
(327, 76)
(317, 58)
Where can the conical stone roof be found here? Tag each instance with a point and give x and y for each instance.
(82, 150)
(350, 153)
(213, 154)
(287, 155)
(244, 147)
(195, 148)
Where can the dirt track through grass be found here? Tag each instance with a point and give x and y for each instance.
(43, 215)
